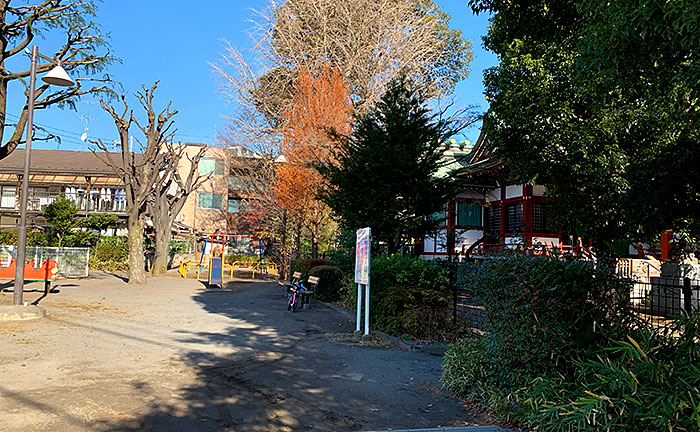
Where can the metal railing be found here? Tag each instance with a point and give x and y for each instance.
(560, 250)
(72, 262)
(655, 299)
(662, 298)
(92, 202)
(467, 311)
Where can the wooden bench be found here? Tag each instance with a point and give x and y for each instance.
(294, 282)
(308, 292)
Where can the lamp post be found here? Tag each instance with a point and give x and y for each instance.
(56, 76)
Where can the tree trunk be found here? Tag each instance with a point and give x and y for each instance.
(162, 253)
(296, 254)
(314, 242)
(137, 271)
(283, 248)
(394, 245)
(163, 234)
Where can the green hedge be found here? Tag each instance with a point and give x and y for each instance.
(74, 239)
(410, 297)
(330, 284)
(111, 254)
(563, 352)
(304, 266)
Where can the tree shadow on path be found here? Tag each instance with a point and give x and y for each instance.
(284, 371)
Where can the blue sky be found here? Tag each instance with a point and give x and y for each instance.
(174, 42)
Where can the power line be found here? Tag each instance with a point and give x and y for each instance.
(71, 137)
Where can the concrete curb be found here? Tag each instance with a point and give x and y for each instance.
(21, 313)
(454, 429)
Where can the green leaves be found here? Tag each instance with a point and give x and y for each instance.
(61, 215)
(538, 364)
(599, 103)
(385, 175)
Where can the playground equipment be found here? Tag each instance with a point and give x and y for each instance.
(214, 247)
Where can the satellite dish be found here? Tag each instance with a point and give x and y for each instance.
(83, 137)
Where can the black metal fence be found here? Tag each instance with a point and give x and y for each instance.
(466, 309)
(658, 300)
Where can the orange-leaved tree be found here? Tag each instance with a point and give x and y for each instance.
(321, 104)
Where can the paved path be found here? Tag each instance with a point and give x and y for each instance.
(173, 355)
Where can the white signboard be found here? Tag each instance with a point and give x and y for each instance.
(362, 253)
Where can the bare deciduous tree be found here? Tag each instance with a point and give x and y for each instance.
(170, 192)
(139, 171)
(370, 41)
(20, 25)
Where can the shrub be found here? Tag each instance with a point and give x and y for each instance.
(330, 284)
(111, 254)
(405, 288)
(549, 338)
(8, 238)
(648, 382)
(305, 265)
(179, 246)
(543, 311)
(80, 239)
(38, 239)
(242, 259)
(313, 262)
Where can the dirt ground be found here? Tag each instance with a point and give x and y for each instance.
(175, 355)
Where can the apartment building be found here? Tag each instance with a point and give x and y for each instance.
(81, 176)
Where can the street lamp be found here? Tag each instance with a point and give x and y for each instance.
(56, 76)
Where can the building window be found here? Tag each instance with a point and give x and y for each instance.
(514, 218)
(493, 220)
(240, 183)
(539, 217)
(234, 205)
(8, 197)
(207, 200)
(435, 242)
(468, 214)
(211, 166)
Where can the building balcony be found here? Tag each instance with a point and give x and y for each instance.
(94, 202)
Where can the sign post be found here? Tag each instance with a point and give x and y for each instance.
(362, 264)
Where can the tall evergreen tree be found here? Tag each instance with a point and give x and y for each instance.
(386, 171)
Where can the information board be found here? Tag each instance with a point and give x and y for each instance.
(362, 255)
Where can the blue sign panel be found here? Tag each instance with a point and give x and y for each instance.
(216, 271)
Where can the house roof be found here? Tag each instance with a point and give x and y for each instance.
(482, 167)
(59, 166)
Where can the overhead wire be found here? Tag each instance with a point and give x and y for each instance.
(73, 138)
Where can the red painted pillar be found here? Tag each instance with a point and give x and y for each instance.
(504, 216)
(450, 229)
(666, 245)
(528, 225)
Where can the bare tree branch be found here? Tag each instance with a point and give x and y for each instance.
(21, 24)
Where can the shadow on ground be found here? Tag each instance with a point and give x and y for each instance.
(274, 370)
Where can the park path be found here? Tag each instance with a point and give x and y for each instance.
(174, 355)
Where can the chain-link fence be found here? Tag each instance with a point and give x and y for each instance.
(72, 262)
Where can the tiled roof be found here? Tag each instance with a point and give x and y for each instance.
(58, 162)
